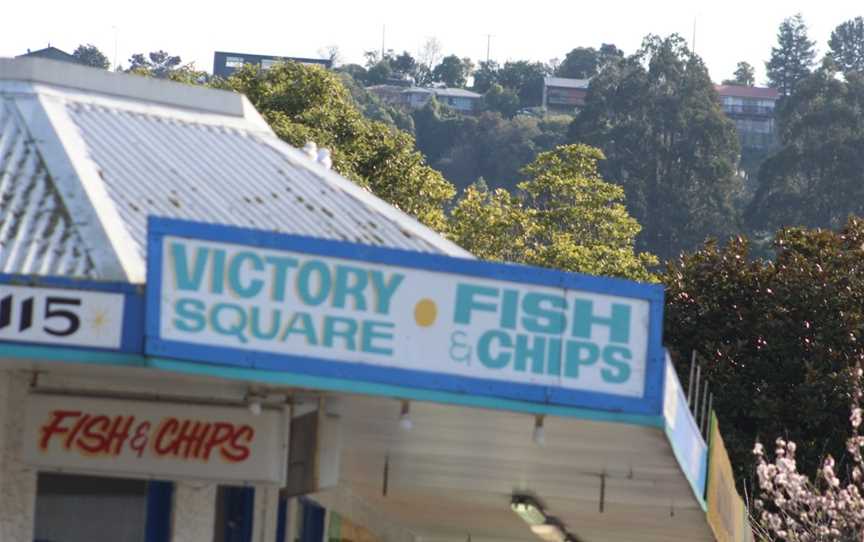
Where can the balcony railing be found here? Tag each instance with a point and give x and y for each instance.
(737, 109)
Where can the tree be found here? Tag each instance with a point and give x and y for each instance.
(827, 509)
(453, 71)
(485, 76)
(379, 73)
(405, 64)
(745, 75)
(491, 147)
(430, 53)
(526, 79)
(331, 53)
(847, 46)
(793, 58)
(657, 118)
(90, 55)
(156, 64)
(564, 216)
(307, 103)
(776, 339)
(374, 108)
(503, 100)
(816, 177)
(608, 54)
(580, 63)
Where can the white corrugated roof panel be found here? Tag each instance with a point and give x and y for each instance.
(37, 234)
(566, 82)
(118, 157)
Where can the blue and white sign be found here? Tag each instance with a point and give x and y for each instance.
(261, 300)
(54, 311)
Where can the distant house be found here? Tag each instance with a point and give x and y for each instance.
(224, 64)
(752, 111)
(49, 52)
(564, 95)
(459, 99)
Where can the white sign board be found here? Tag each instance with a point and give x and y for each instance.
(61, 316)
(156, 440)
(284, 309)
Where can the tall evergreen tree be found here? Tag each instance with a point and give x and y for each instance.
(793, 58)
(847, 45)
(657, 118)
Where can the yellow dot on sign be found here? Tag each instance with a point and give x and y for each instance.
(425, 312)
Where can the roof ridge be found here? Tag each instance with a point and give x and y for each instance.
(66, 74)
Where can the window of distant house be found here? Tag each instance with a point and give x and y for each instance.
(234, 62)
(267, 63)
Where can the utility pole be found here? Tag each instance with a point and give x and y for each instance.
(383, 37)
(488, 46)
(693, 43)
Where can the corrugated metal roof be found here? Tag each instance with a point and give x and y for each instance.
(37, 235)
(170, 167)
(566, 82)
(456, 93)
(742, 91)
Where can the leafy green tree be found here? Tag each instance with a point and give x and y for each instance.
(502, 100)
(847, 45)
(374, 108)
(657, 118)
(580, 63)
(564, 216)
(485, 76)
(793, 58)
(745, 75)
(356, 71)
(307, 103)
(379, 73)
(586, 62)
(491, 147)
(526, 79)
(776, 339)
(816, 177)
(453, 71)
(156, 64)
(608, 54)
(405, 65)
(90, 55)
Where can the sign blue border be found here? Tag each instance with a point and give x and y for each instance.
(650, 403)
(132, 339)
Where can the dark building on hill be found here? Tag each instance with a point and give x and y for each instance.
(224, 64)
(752, 111)
(49, 52)
(564, 95)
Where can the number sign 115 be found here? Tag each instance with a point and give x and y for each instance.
(59, 316)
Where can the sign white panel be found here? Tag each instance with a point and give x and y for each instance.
(300, 305)
(156, 440)
(61, 316)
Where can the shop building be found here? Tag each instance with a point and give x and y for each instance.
(205, 335)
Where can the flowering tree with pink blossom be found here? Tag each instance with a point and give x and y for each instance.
(794, 508)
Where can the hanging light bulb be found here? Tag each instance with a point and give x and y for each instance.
(405, 417)
(253, 403)
(539, 435)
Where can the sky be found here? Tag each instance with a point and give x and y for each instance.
(725, 32)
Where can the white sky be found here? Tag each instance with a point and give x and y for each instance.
(726, 32)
